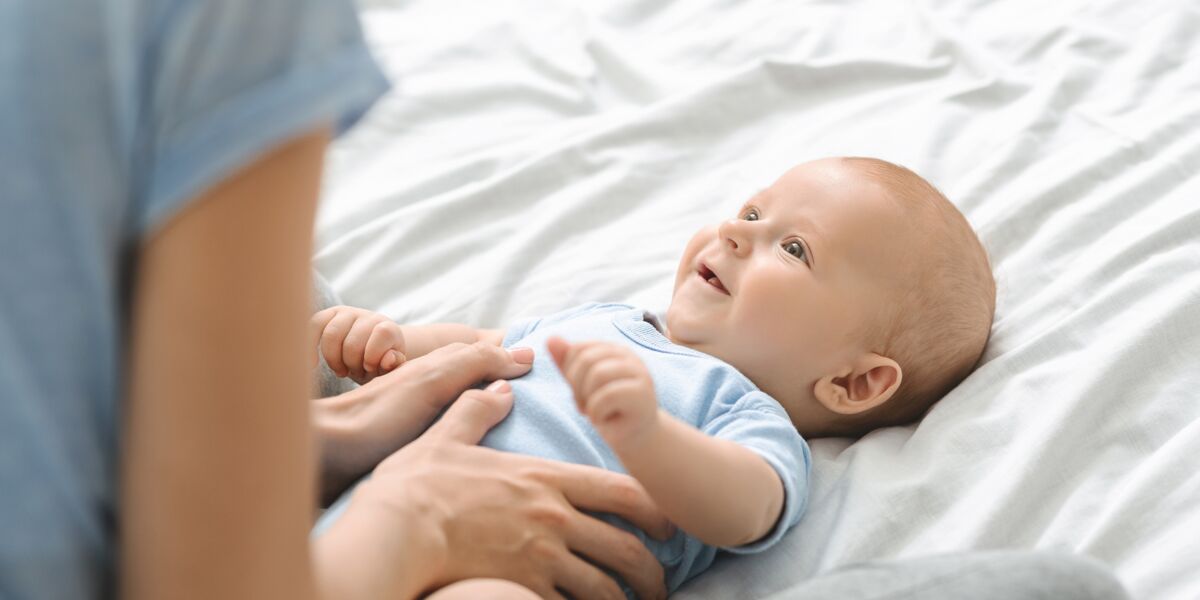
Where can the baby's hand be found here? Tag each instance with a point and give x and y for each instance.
(611, 385)
(357, 343)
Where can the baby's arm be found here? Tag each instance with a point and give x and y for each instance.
(362, 344)
(716, 490)
(420, 340)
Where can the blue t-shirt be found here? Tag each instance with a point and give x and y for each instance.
(113, 115)
(695, 388)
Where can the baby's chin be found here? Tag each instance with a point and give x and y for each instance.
(679, 329)
(669, 321)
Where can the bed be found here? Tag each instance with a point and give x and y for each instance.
(535, 155)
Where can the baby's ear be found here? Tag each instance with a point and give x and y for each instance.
(857, 388)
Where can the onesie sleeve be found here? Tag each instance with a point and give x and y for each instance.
(224, 81)
(757, 422)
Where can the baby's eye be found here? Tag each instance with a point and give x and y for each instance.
(794, 248)
(750, 214)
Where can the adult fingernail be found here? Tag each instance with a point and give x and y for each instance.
(522, 355)
(499, 385)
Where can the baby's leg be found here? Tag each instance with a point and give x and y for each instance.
(492, 589)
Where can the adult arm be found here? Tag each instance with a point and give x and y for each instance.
(217, 464)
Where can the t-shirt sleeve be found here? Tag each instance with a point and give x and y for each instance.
(757, 422)
(225, 81)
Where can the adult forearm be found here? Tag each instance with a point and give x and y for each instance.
(374, 553)
(714, 489)
(358, 429)
(342, 453)
(216, 472)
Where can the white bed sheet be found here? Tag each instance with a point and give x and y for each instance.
(539, 154)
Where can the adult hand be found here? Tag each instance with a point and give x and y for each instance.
(359, 428)
(450, 510)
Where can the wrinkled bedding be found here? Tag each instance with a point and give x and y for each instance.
(535, 155)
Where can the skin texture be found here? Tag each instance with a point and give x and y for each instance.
(358, 429)
(688, 474)
(453, 511)
(781, 292)
(804, 263)
(218, 473)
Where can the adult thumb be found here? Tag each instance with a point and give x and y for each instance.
(474, 413)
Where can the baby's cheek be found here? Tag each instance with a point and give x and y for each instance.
(788, 322)
(770, 322)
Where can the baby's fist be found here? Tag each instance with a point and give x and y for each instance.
(357, 343)
(611, 386)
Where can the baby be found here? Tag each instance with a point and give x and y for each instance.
(849, 295)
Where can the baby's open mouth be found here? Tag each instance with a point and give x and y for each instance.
(707, 275)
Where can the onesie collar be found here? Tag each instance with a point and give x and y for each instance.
(646, 328)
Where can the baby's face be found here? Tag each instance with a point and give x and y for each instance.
(781, 291)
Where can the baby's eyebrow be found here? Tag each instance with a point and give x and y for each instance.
(750, 202)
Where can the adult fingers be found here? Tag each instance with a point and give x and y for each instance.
(548, 593)
(618, 550)
(582, 580)
(600, 490)
(473, 414)
(332, 336)
(447, 371)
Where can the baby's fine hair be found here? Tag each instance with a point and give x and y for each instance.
(940, 322)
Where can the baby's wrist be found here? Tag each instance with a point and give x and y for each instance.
(640, 436)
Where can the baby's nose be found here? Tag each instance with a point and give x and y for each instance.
(731, 233)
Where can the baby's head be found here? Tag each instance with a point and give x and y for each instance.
(850, 290)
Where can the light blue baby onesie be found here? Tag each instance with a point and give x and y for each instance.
(694, 387)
